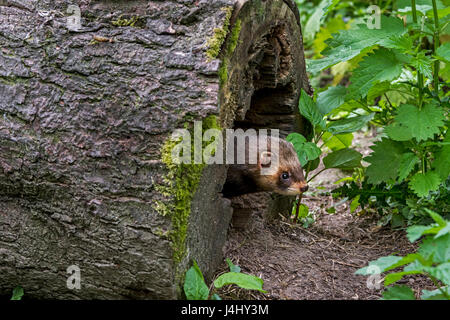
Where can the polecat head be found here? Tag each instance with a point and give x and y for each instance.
(286, 177)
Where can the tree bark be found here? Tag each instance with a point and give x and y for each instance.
(85, 124)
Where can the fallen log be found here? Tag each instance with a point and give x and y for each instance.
(90, 92)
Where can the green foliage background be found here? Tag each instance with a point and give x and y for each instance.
(396, 78)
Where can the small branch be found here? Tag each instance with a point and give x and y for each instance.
(316, 174)
(347, 264)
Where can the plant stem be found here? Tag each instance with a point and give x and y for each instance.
(419, 74)
(319, 137)
(436, 46)
(424, 163)
(414, 12)
(297, 208)
(388, 2)
(420, 84)
(308, 165)
(316, 174)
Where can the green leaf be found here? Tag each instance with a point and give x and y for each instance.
(233, 267)
(422, 184)
(444, 226)
(377, 90)
(17, 293)
(407, 163)
(445, 71)
(312, 151)
(298, 141)
(331, 210)
(443, 231)
(313, 164)
(396, 276)
(382, 65)
(349, 43)
(399, 292)
(309, 110)
(400, 93)
(303, 211)
(348, 106)
(384, 161)
(438, 249)
(343, 159)
(337, 142)
(398, 132)
(331, 99)
(333, 25)
(443, 11)
(415, 232)
(330, 4)
(443, 52)
(419, 8)
(403, 43)
(382, 264)
(440, 272)
(442, 159)
(349, 125)
(424, 64)
(412, 122)
(195, 287)
(354, 204)
(313, 23)
(345, 179)
(306, 151)
(436, 217)
(387, 263)
(417, 265)
(435, 294)
(242, 280)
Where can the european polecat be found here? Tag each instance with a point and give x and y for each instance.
(285, 178)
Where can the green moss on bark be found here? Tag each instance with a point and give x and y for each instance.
(122, 22)
(234, 37)
(223, 73)
(231, 46)
(215, 42)
(180, 185)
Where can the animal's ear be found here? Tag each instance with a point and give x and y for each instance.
(265, 159)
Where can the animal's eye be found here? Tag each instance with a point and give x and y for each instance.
(285, 175)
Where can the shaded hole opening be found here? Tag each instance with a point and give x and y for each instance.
(273, 105)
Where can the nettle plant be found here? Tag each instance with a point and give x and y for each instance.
(399, 72)
(17, 293)
(336, 135)
(432, 260)
(195, 287)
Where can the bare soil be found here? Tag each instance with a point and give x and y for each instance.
(317, 262)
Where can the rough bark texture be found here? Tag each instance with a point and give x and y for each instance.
(85, 123)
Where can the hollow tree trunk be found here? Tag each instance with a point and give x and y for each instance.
(86, 116)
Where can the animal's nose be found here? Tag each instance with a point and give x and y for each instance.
(304, 188)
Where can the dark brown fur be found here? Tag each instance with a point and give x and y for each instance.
(247, 178)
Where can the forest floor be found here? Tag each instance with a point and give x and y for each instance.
(317, 262)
